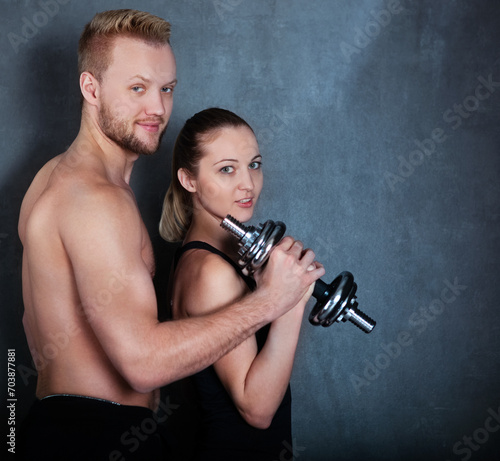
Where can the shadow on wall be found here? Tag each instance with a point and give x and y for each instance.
(45, 103)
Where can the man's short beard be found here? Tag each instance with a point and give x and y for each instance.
(117, 130)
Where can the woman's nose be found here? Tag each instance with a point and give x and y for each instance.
(247, 181)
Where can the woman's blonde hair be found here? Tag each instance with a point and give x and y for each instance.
(95, 45)
(188, 150)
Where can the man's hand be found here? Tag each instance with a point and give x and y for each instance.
(289, 275)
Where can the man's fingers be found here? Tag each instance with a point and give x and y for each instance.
(317, 273)
(297, 249)
(286, 243)
(290, 245)
(307, 257)
(304, 257)
(314, 265)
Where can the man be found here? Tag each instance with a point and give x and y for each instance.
(90, 307)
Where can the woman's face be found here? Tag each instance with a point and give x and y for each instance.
(229, 177)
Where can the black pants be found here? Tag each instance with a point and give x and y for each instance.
(85, 429)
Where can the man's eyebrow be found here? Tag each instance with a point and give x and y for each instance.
(147, 80)
(140, 77)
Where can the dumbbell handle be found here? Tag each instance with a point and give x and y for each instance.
(236, 228)
(256, 243)
(336, 301)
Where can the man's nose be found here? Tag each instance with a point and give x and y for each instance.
(155, 104)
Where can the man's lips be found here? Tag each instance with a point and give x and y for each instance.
(152, 127)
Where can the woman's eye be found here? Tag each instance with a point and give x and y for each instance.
(255, 165)
(227, 169)
(137, 89)
(167, 89)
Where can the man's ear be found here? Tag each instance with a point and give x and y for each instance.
(89, 87)
(186, 179)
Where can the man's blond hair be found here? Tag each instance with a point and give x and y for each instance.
(96, 41)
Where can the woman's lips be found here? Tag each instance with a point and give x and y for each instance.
(245, 203)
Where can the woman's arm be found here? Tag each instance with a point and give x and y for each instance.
(256, 381)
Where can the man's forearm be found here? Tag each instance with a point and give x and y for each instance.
(180, 348)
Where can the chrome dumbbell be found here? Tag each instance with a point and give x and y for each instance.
(335, 301)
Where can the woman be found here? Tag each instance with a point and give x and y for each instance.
(245, 396)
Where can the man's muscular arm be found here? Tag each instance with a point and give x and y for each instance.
(103, 236)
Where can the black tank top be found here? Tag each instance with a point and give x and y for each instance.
(225, 435)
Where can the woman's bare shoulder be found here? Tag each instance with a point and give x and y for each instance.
(207, 282)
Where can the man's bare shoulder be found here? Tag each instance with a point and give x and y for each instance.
(99, 204)
(70, 199)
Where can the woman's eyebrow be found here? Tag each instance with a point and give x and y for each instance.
(235, 160)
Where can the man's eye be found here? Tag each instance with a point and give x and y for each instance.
(137, 89)
(227, 169)
(167, 89)
(255, 165)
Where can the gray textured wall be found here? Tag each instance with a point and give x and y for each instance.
(379, 125)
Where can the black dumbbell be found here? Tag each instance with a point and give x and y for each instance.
(335, 301)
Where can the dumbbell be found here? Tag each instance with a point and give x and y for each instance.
(335, 301)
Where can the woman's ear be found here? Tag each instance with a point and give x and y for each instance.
(186, 179)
